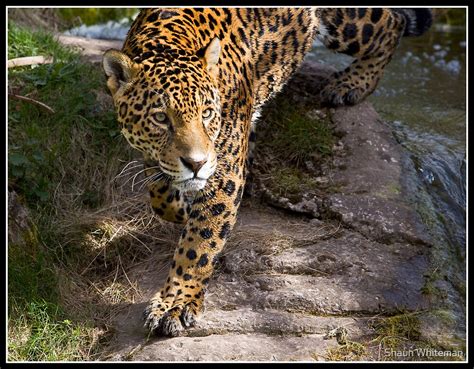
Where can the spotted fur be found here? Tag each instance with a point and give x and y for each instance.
(188, 86)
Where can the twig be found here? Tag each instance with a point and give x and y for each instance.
(34, 102)
(29, 60)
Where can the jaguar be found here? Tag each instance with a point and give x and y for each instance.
(188, 86)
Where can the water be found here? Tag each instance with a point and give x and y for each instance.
(112, 30)
(423, 96)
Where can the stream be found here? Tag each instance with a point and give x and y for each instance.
(423, 97)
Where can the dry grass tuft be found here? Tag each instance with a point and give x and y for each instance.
(114, 239)
(102, 251)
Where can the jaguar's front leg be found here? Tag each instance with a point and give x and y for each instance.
(211, 219)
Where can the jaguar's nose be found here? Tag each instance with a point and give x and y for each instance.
(193, 165)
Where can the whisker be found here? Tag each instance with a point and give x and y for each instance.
(124, 173)
(139, 172)
(150, 179)
(129, 172)
(126, 169)
(130, 163)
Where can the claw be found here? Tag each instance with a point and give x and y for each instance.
(187, 318)
(171, 327)
(152, 323)
(146, 313)
(155, 327)
(163, 319)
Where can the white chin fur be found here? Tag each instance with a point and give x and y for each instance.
(190, 185)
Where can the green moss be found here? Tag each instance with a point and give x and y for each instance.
(351, 351)
(398, 327)
(395, 332)
(429, 288)
(445, 316)
(392, 190)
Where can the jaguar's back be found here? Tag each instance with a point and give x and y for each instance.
(260, 48)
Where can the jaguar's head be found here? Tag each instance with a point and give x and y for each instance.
(168, 107)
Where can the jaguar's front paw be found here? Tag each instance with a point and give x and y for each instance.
(168, 318)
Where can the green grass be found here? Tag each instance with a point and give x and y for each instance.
(293, 134)
(293, 142)
(290, 181)
(58, 164)
(22, 42)
(37, 139)
(95, 15)
(40, 333)
(38, 328)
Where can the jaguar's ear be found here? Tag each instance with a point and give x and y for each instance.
(118, 68)
(211, 56)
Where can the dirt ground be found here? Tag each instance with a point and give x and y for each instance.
(303, 281)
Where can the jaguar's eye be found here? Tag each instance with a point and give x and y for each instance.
(207, 114)
(160, 117)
